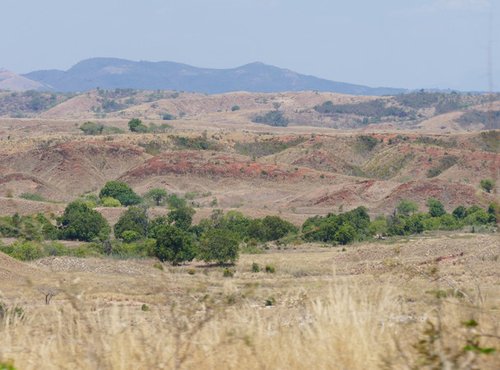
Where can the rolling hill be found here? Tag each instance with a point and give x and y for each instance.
(11, 81)
(111, 73)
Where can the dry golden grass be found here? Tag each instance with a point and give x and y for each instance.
(322, 309)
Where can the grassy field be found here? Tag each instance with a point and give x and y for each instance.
(367, 306)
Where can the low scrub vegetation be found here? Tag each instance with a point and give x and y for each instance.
(262, 148)
(272, 118)
(374, 108)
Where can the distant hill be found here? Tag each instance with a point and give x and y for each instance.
(112, 73)
(11, 81)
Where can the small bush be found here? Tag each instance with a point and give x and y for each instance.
(255, 267)
(271, 301)
(129, 236)
(92, 128)
(168, 117)
(487, 185)
(235, 108)
(136, 125)
(270, 269)
(25, 251)
(228, 273)
(31, 196)
(110, 202)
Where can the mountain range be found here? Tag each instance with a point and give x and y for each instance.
(112, 73)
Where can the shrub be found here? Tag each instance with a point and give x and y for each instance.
(25, 250)
(228, 273)
(235, 108)
(196, 143)
(255, 267)
(487, 185)
(129, 236)
(367, 143)
(92, 128)
(444, 163)
(270, 269)
(219, 245)
(121, 191)
(271, 301)
(7, 366)
(173, 245)
(110, 202)
(460, 212)
(136, 125)
(266, 147)
(79, 222)
(436, 208)
(33, 197)
(168, 117)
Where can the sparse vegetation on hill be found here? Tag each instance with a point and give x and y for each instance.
(445, 163)
(23, 104)
(262, 148)
(490, 120)
(372, 108)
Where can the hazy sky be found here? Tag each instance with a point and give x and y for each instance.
(398, 43)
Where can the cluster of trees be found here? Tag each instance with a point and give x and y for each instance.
(272, 118)
(93, 128)
(355, 225)
(174, 238)
(136, 125)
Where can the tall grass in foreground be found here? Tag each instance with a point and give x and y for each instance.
(351, 327)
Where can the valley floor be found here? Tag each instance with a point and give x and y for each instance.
(362, 307)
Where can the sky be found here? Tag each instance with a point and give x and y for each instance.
(398, 43)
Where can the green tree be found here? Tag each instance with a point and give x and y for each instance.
(182, 217)
(79, 222)
(274, 228)
(460, 212)
(136, 125)
(436, 208)
(219, 245)
(406, 207)
(175, 201)
(173, 245)
(157, 195)
(487, 185)
(121, 191)
(133, 219)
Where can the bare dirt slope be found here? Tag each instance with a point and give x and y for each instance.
(276, 170)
